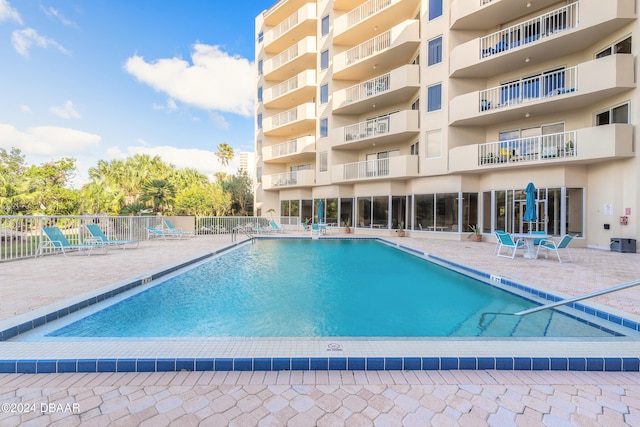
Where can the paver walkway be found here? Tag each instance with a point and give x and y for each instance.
(322, 398)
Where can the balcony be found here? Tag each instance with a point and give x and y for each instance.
(486, 14)
(382, 130)
(285, 152)
(399, 167)
(301, 56)
(301, 87)
(296, 120)
(303, 178)
(550, 93)
(382, 53)
(388, 89)
(280, 10)
(301, 23)
(587, 145)
(552, 35)
(345, 4)
(371, 17)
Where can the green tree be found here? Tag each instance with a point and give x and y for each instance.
(225, 153)
(12, 181)
(160, 193)
(241, 189)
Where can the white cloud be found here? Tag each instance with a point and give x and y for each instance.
(66, 111)
(51, 11)
(24, 108)
(218, 120)
(214, 81)
(7, 13)
(50, 141)
(203, 161)
(25, 39)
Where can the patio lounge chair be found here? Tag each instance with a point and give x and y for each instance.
(506, 241)
(99, 236)
(170, 228)
(560, 246)
(160, 231)
(275, 227)
(55, 240)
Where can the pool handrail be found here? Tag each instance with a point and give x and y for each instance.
(580, 298)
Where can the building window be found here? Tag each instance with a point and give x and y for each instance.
(260, 67)
(260, 94)
(435, 51)
(259, 174)
(260, 121)
(324, 94)
(621, 47)
(260, 37)
(415, 105)
(434, 97)
(325, 25)
(435, 9)
(259, 147)
(414, 149)
(324, 127)
(324, 60)
(434, 144)
(619, 114)
(323, 161)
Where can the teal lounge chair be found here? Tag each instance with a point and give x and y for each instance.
(276, 227)
(154, 232)
(171, 229)
(57, 241)
(560, 246)
(506, 241)
(98, 235)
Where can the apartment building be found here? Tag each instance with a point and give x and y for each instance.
(436, 114)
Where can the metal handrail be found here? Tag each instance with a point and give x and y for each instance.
(580, 298)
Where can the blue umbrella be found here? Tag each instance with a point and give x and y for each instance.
(530, 209)
(320, 211)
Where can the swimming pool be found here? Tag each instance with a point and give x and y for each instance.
(25, 349)
(326, 288)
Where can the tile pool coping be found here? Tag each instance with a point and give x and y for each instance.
(309, 354)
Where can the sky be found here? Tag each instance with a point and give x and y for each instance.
(108, 79)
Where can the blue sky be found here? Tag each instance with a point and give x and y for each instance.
(106, 79)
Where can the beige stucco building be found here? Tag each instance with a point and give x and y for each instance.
(438, 113)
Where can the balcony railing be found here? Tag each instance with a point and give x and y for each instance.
(286, 25)
(369, 128)
(284, 57)
(284, 118)
(556, 21)
(365, 10)
(284, 148)
(546, 85)
(368, 88)
(542, 147)
(289, 179)
(285, 87)
(368, 48)
(367, 169)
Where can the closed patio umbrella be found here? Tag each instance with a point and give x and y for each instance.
(530, 208)
(320, 211)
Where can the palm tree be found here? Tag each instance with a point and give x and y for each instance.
(225, 153)
(160, 193)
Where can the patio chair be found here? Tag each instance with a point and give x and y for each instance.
(560, 246)
(170, 228)
(536, 242)
(98, 235)
(153, 232)
(276, 228)
(315, 229)
(55, 240)
(506, 241)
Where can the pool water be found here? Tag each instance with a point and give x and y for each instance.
(322, 288)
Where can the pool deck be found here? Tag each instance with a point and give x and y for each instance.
(323, 398)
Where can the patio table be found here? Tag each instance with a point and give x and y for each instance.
(529, 239)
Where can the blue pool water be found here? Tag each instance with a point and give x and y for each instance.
(304, 288)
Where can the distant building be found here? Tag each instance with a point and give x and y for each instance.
(247, 162)
(438, 113)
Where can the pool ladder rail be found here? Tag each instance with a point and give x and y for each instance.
(580, 298)
(243, 230)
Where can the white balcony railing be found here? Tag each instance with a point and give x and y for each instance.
(546, 85)
(284, 118)
(542, 147)
(369, 128)
(365, 10)
(284, 57)
(368, 88)
(285, 87)
(367, 169)
(289, 179)
(368, 48)
(286, 25)
(559, 20)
